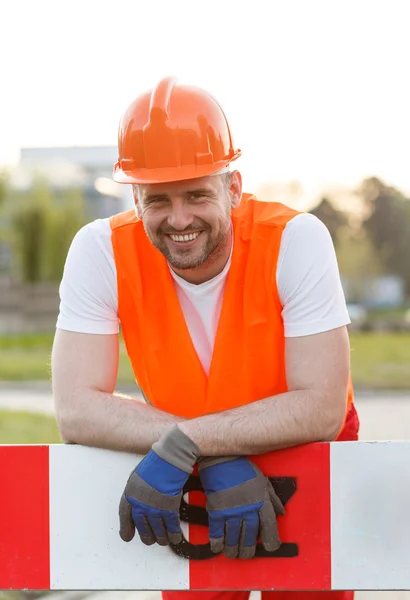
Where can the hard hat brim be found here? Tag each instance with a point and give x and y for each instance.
(169, 174)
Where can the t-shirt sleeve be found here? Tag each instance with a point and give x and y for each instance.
(308, 279)
(88, 289)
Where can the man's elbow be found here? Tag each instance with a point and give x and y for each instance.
(66, 429)
(334, 414)
(68, 421)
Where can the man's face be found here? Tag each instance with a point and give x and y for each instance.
(188, 221)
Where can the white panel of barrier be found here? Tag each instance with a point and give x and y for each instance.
(370, 501)
(86, 551)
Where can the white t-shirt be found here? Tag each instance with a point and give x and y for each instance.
(307, 277)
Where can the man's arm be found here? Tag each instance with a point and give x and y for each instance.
(317, 370)
(84, 371)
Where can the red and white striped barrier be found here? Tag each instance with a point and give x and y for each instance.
(347, 523)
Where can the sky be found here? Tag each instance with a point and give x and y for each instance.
(316, 91)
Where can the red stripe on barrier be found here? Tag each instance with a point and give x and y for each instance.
(306, 523)
(24, 518)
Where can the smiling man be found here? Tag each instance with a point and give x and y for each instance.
(234, 320)
(196, 241)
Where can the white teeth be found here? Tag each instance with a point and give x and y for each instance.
(184, 238)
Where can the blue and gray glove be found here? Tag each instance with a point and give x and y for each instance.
(241, 505)
(152, 497)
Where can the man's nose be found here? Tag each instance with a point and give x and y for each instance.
(180, 217)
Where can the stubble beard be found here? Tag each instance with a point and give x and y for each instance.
(184, 260)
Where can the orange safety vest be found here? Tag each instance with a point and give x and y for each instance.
(248, 361)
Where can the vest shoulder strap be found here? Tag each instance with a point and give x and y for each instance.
(126, 217)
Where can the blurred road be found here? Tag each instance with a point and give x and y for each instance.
(383, 416)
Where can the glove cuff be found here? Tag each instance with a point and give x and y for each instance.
(210, 461)
(176, 448)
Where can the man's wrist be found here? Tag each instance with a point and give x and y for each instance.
(178, 449)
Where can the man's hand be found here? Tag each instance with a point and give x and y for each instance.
(241, 504)
(152, 497)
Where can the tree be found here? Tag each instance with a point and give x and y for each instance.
(3, 189)
(335, 220)
(63, 222)
(42, 228)
(358, 262)
(388, 225)
(28, 225)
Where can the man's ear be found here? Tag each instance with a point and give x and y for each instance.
(137, 205)
(235, 189)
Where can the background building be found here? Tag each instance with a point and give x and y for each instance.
(88, 168)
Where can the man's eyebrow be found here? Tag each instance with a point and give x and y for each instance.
(201, 192)
(156, 197)
(196, 192)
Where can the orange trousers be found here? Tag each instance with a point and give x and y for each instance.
(265, 595)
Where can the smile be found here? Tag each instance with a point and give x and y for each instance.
(184, 238)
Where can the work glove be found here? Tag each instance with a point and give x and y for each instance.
(152, 497)
(241, 505)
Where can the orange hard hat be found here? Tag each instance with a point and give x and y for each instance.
(170, 133)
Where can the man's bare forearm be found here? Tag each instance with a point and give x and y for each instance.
(282, 421)
(111, 421)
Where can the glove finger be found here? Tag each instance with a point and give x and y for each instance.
(143, 527)
(269, 527)
(173, 527)
(277, 504)
(245, 552)
(249, 535)
(160, 531)
(216, 533)
(233, 532)
(127, 527)
(144, 530)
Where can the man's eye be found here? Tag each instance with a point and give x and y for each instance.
(157, 201)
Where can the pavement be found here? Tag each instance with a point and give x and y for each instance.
(36, 396)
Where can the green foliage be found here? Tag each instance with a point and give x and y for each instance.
(28, 224)
(358, 261)
(379, 241)
(42, 226)
(3, 188)
(388, 226)
(357, 256)
(334, 219)
(63, 223)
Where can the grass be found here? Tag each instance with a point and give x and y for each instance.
(23, 365)
(379, 360)
(18, 364)
(28, 341)
(27, 428)
(27, 358)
